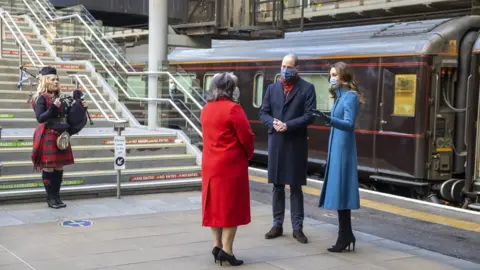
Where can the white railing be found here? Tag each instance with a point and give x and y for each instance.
(10, 24)
(134, 73)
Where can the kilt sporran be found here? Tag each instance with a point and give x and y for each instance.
(63, 141)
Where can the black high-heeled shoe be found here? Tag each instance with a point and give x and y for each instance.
(223, 256)
(343, 243)
(215, 253)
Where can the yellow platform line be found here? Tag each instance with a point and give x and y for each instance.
(420, 215)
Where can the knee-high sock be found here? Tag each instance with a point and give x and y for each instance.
(48, 179)
(58, 181)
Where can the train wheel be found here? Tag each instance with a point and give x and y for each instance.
(457, 190)
(446, 189)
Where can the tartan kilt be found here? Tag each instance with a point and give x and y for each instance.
(49, 156)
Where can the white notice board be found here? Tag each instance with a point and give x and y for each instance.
(120, 152)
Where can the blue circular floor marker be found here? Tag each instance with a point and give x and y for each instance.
(76, 223)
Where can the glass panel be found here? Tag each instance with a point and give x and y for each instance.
(258, 90)
(320, 81)
(207, 81)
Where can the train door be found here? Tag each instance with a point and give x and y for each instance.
(472, 187)
(472, 175)
(397, 135)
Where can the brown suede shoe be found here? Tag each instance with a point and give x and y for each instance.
(274, 233)
(300, 236)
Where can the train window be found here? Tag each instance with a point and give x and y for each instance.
(207, 80)
(258, 90)
(320, 81)
(405, 92)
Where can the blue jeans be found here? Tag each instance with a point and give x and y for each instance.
(296, 206)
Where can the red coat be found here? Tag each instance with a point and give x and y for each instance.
(227, 147)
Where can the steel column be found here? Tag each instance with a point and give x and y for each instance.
(157, 52)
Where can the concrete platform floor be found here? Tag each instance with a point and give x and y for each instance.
(163, 231)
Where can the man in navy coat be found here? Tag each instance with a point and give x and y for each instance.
(287, 110)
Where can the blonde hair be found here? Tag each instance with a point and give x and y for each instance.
(44, 84)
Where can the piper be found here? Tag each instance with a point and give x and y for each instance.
(51, 139)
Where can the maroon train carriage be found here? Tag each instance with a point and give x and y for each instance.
(418, 126)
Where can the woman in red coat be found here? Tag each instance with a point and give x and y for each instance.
(227, 147)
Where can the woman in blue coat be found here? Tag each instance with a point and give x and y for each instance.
(340, 188)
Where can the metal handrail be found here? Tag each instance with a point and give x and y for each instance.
(135, 73)
(120, 86)
(5, 13)
(39, 20)
(108, 50)
(76, 15)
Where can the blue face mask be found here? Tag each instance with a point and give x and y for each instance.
(288, 73)
(334, 83)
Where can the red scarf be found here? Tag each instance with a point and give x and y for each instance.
(288, 85)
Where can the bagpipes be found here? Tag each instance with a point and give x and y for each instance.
(75, 111)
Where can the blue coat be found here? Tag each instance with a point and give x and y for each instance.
(288, 151)
(340, 186)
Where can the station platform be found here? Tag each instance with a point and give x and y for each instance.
(163, 231)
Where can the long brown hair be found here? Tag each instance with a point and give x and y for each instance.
(348, 81)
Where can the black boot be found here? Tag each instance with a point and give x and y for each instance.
(57, 184)
(345, 233)
(49, 188)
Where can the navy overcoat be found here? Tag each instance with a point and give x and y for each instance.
(288, 150)
(340, 186)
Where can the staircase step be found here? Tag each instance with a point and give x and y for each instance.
(89, 164)
(11, 62)
(105, 176)
(61, 72)
(24, 95)
(32, 40)
(91, 136)
(13, 46)
(23, 104)
(25, 58)
(32, 122)
(12, 85)
(28, 113)
(94, 151)
(14, 77)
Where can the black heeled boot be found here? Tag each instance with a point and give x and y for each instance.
(345, 233)
(215, 252)
(47, 178)
(57, 185)
(223, 256)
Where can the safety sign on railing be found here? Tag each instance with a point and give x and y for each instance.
(120, 150)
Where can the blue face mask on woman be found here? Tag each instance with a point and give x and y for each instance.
(334, 83)
(288, 73)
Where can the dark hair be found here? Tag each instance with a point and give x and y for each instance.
(223, 85)
(348, 81)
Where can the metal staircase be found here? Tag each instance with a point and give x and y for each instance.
(156, 160)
